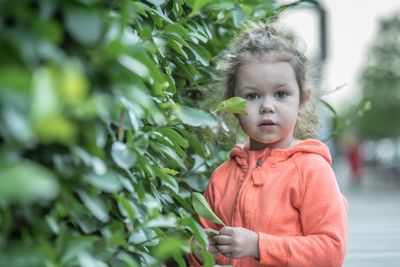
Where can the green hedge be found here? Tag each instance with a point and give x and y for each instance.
(99, 126)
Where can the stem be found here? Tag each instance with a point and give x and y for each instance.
(121, 132)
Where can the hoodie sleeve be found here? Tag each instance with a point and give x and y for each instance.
(323, 215)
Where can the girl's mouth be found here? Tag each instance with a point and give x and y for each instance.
(267, 123)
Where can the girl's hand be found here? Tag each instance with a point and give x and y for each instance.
(211, 245)
(237, 242)
(211, 242)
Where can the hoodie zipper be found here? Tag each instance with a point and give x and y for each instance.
(242, 186)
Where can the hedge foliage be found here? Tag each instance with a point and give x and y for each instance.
(99, 123)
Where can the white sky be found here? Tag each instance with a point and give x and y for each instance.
(351, 27)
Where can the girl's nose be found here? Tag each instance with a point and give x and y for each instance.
(267, 107)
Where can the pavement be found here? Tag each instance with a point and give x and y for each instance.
(374, 218)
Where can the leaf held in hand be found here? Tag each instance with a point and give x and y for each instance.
(211, 234)
(233, 105)
(202, 208)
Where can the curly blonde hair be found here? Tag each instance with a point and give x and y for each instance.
(263, 41)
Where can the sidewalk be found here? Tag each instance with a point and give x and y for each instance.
(374, 220)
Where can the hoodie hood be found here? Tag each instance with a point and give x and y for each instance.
(245, 157)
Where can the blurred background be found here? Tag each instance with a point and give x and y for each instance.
(354, 47)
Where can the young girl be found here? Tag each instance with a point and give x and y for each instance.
(277, 194)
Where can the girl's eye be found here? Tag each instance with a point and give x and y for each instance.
(251, 96)
(281, 94)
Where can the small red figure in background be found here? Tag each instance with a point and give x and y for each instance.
(351, 147)
(355, 159)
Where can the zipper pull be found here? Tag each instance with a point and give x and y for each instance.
(259, 163)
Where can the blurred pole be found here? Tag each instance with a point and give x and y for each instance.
(318, 59)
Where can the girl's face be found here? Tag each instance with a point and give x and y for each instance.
(273, 103)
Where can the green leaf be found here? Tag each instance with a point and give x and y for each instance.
(178, 48)
(196, 117)
(108, 182)
(27, 182)
(174, 136)
(197, 230)
(212, 234)
(162, 221)
(170, 171)
(140, 8)
(178, 40)
(194, 142)
(177, 29)
(169, 153)
(198, 6)
(208, 258)
(127, 207)
(156, 76)
(238, 16)
(183, 202)
(161, 15)
(76, 245)
(86, 259)
(85, 26)
(156, 2)
(52, 224)
(141, 236)
(168, 247)
(168, 179)
(199, 31)
(122, 156)
(202, 55)
(329, 106)
(127, 258)
(14, 77)
(95, 205)
(49, 123)
(162, 139)
(196, 182)
(134, 65)
(18, 125)
(180, 259)
(202, 208)
(233, 105)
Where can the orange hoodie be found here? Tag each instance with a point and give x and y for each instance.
(290, 197)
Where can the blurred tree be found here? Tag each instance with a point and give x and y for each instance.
(380, 82)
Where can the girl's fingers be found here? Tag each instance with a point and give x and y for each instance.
(228, 255)
(224, 249)
(226, 231)
(213, 250)
(211, 231)
(222, 239)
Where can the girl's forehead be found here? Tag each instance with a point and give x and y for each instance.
(266, 59)
(263, 69)
(266, 74)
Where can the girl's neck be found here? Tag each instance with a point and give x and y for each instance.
(280, 145)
